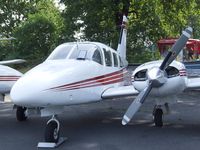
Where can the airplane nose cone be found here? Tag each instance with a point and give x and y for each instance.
(33, 89)
(20, 94)
(28, 89)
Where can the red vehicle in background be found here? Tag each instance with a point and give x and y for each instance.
(191, 51)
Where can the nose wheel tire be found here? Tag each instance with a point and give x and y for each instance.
(52, 132)
(158, 114)
(20, 113)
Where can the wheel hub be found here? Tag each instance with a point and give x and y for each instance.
(55, 133)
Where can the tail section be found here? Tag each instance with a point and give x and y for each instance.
(121, 49)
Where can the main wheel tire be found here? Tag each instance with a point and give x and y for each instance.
(20, 114)
(51, 132)
(158, 117)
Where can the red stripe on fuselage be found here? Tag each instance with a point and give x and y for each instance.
(95, 81)
(97, 84)
(9, 78)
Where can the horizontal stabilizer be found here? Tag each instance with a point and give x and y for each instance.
(14, 61)
(193, 83)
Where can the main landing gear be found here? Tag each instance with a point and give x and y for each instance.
(2, 96)
(21, 113)
(158, 116)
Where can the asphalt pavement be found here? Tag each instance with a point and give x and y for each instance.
(98, 126)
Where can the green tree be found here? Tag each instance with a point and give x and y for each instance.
(39, 26)
(12, 13)
(97, 20)
(40, 33)
(148, 21)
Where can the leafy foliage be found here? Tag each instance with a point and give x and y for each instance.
(148, 21)
(12, 13)
(95, 21)
(40, 33)
(39, 26)
(35, 38)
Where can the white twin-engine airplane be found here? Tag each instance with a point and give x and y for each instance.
(8, 76)
(77, 73)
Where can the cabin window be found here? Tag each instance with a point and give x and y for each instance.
(115, 60)
(140, 75)
(171, 72)
(97, 57)
(108, 57)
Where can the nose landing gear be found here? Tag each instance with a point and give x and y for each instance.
(52, 134)
(52, 131)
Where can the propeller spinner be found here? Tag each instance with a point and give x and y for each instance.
(156, 75)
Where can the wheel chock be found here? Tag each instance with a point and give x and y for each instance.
(50, 144)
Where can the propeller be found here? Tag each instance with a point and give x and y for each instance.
(156, 76)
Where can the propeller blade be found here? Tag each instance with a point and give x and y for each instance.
(176, 48)
(136, 104)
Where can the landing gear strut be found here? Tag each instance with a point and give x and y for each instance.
(158, 114)
(20, 113)
(52, 131)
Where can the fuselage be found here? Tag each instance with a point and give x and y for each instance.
(8, 77)
(74, 73)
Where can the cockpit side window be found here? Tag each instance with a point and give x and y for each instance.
(97, 57)
(115, 60)
(140, 75)
(108, 57)
(172, 72)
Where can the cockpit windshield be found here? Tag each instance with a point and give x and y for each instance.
(61, 52)
(79, 51)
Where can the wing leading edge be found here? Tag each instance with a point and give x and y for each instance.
(119, 92)
(193, 83)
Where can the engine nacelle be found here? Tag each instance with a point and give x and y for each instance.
(175, 76)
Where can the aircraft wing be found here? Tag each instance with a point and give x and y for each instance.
(193, 83)
(120, 92)
(14, 61)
